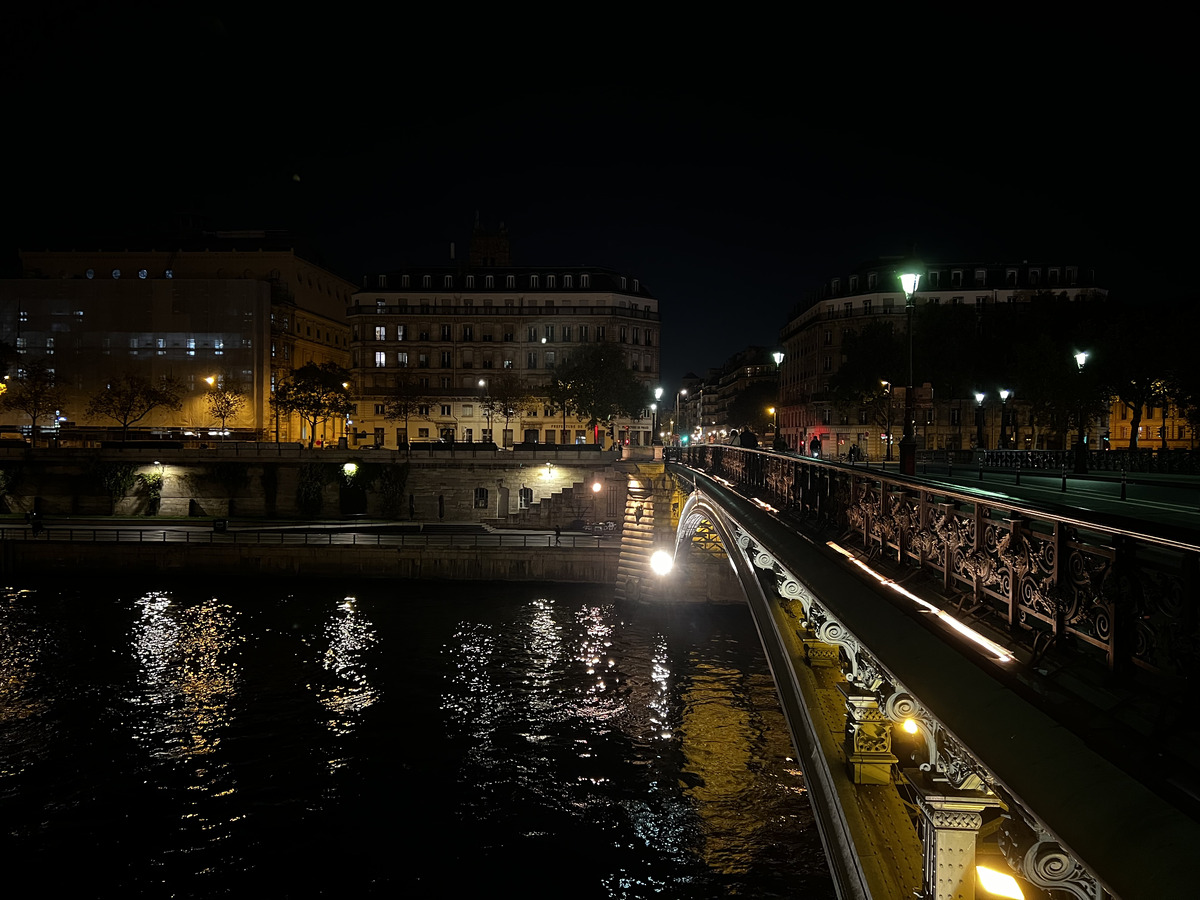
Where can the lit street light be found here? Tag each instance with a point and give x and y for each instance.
(655, 438)
(908, 443)
(779, 444)
(1081, 465)
(682, 392)
(979, 395)
(887, 420)
(1003, 422)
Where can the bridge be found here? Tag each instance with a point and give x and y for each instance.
(979, 682)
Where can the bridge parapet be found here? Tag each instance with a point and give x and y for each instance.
(1126, 595)
(987, 759)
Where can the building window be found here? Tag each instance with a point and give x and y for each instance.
(549, 334)
(423, 433)
(423, 361)
(980, 277)
(532, 361)
(956, 278)
(508, 363)
(585, 280)
(470, 281)
(550, 281)
(446, 359)
(489, 281)
(381, 332)
(426, 281)
(549, 359)
(533, 335)
(190, 343)
(533, 281)
(525, 498)
(402, 359)
(481, 498)
(468, 333)
(510, 281)
(219, 347)
(380, 359)
(445, 332)
(448, 281)
(380, 409)
(567, 282)
(446, 409)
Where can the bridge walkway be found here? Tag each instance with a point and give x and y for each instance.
(1058, 790)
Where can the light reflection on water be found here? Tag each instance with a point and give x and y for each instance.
(309, 743)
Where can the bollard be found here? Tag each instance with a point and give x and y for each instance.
(1064, 486)
(1122, 484)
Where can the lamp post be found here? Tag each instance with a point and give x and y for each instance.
(655, 438)
(979, 395)
(1081, 465)
(682, 392)
(887, 421)
(779, 443)
(1003, 421)
(908, 443)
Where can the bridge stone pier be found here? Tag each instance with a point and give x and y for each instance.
(934, 749)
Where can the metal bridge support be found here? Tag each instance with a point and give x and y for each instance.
(951, 822)
(868, 745)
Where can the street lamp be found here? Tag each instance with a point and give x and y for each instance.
(655, 439)
(887, 419)
(908, 443)
(1081, 465)
(1003, 423)
(779, 444)
(979, 395)
(682, 392)
(774, 413)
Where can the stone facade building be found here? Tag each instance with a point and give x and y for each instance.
(452, 334)
(240, 308)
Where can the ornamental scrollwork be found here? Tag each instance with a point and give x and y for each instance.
(1035, 855)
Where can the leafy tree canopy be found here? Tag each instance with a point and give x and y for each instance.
(316, 393)
(599, 387)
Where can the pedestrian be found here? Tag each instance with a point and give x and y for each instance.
(557, 535)
(814, 448)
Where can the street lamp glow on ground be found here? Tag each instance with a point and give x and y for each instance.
(908, 443)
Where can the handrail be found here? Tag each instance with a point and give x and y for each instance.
(326, 537)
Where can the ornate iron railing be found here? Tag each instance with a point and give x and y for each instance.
(1126, 595)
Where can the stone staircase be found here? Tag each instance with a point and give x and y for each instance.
(635, 579)
(560, 508)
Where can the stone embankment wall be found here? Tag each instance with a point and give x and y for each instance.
(590, 565)
(289, 482)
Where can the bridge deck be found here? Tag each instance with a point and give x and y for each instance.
(1028, 725)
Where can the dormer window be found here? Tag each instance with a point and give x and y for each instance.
(585, 280)
(510, 281)
(550, 281)
(567, 282)
(470, 281)
(383, 281)
(448, 281)
(533, 281)
(404, 279)
(426, 281)
(489, 281)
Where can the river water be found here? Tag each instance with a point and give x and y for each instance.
(325, 739)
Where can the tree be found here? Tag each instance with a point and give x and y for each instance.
(749, 406)
(601, 386)
(35, 393)
(225, 401)
(508, 395)
(316, 393)
(129, 398)
(405, 401)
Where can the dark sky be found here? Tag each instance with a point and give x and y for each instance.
(729, 169)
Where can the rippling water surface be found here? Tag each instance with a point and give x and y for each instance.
(412, 740)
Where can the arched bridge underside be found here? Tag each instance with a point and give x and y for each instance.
(922, 757)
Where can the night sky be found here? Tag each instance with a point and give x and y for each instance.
(730, 166)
